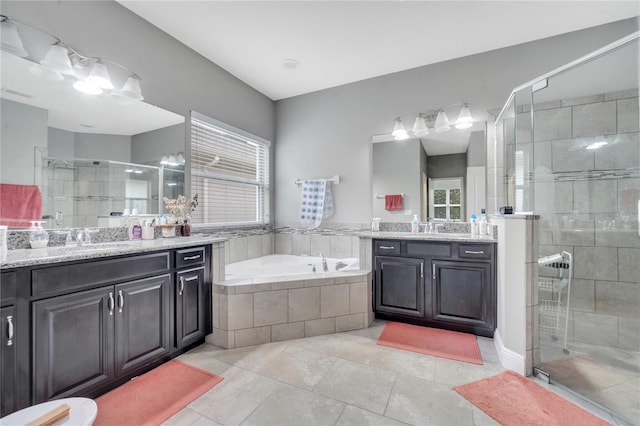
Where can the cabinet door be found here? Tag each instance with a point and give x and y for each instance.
(8, 390)
(463, 295)
(189, 306)
(72, 344)
(142, 323)
(399, 286)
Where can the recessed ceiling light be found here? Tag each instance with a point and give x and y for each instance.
(291, 64)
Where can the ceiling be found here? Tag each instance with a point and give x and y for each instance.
(339, 42)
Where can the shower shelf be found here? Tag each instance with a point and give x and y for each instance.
(554, 296)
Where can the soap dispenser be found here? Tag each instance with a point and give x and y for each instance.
(38, 237)
(415, 224)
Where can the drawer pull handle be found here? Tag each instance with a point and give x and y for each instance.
(112, 303)
(120, 301)
(191, 257)
(10, 330)
(181, 290)
(474, 252)
(387, 247)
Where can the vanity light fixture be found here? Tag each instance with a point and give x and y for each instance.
(464, 120)
(172, 159)
(11, 41)
(399, 132)
(442, 122)
(93, 74)
(420, 126)
(439, 119)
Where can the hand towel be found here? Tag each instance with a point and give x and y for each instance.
(316, 202)
(393, 202)
(20, 204)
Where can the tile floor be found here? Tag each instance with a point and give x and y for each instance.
(608, 376)
(338, 379)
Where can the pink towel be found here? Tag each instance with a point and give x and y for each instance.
(393, 202)
(19, 204)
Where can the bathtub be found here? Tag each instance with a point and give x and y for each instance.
(284, 265)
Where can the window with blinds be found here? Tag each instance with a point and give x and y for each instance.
(230, 174)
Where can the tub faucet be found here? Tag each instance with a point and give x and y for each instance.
(325, 268)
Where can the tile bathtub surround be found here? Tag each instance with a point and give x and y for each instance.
(252, 314)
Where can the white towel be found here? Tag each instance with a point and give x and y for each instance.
(316, 202)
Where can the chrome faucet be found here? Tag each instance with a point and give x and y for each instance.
(83, 236)
(325, 268)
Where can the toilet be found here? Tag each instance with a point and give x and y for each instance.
(82, 412)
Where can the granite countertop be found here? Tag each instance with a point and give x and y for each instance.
(30, 257)
(444, 236)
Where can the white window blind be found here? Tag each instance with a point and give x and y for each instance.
(230, 174)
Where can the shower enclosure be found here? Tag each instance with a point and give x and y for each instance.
(571, 149)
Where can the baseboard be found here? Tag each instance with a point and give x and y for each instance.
(508, 358)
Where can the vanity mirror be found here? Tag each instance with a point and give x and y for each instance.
(439, 176)
(89, 155)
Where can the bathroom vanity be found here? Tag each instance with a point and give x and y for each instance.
(88, 323)
(440, 281)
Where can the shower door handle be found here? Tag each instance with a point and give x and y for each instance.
(10, 330)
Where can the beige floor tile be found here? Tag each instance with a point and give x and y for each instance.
(298, 366)
(623, 398)
(357, 384)
(453, 373)
(188, 417)
(290, 406)
(251, 357)
(480, 418)
(354, 416)
(422, 402)
(205, 361)
(236, 397)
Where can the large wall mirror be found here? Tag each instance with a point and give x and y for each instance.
(440, 176)
(92, 156)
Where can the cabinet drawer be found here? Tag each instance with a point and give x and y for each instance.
(475, 251)
(387, 247)
(8, 287)
(68, 278)
(415, 248)
(189, 257)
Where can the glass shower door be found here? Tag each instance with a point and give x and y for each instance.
(585, 172)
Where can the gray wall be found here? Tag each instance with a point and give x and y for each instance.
(329, 132)
(103, 147)
(23, 127)
(446, 166)
(60, 143)
(148, 147)
(396, 169)
(476, 154)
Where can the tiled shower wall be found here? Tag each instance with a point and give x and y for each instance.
(587, 201)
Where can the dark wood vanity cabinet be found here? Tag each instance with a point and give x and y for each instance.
(442, 284)
(400, 286)
(95, 324)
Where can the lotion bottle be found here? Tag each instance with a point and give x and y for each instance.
(482, 225)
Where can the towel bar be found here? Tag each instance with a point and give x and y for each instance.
(380, 197)
(335, 179)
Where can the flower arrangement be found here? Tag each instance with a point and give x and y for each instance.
(181, 207)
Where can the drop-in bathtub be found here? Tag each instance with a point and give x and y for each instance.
(284, 265)
(279, 297)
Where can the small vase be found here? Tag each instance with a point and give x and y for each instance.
(185, 230)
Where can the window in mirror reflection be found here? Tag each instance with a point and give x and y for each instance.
(445, 199)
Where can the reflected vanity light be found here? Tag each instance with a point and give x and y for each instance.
(62, 60)
(597, 144)
(438, 117)
(399, 132)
